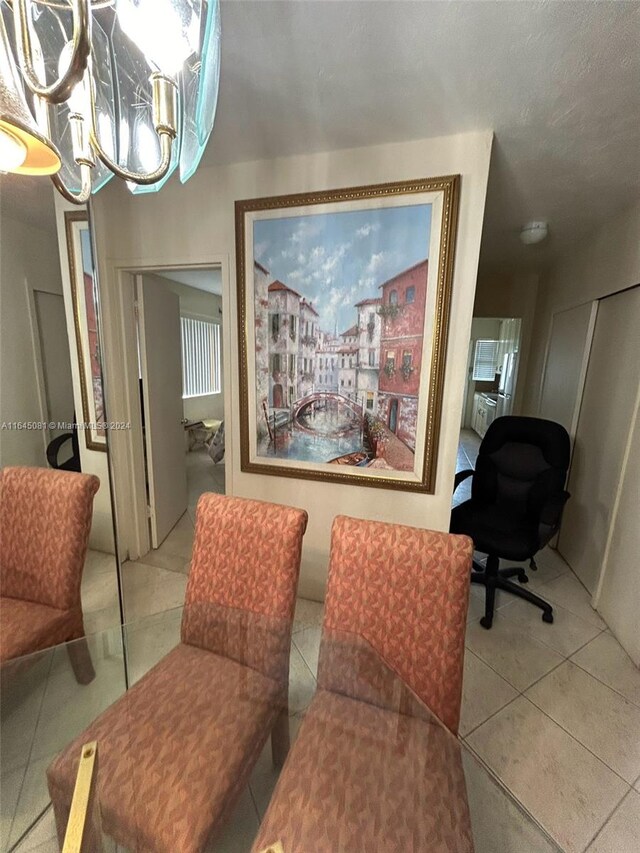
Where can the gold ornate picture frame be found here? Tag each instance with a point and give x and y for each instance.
(85, 318)
(343, 314)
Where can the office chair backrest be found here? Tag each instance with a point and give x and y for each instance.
(522, 462)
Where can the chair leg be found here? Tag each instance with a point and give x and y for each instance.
(516, 571)
(490, 582)
(532, 598)
(280, 739)
(80, 659)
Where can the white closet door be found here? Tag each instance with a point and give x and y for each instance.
(602, 435)
(566, 363)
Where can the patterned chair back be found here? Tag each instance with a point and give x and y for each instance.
(241, 592)
(405, 592)
(45, 518)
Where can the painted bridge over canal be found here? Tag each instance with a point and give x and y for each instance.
(321, 396)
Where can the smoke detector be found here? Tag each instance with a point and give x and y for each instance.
(534, 232)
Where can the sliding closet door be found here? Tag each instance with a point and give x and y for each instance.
(604, 424)
(566, 363)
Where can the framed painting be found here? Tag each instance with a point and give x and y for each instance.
(85, 315)
(343, 310)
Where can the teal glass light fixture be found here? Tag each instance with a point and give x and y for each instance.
(119, 87)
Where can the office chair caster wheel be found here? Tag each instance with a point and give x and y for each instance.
(522, 577)
(547, 616)
(486, 623)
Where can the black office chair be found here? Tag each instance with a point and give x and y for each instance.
(55, 446)
(517, 498)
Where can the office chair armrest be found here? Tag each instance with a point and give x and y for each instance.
(53, 448)
(550, 517)
(462, 475)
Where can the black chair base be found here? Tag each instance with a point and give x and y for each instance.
(493, 578)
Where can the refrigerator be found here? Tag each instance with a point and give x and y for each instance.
(507, 384)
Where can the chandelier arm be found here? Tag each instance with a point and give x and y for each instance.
(60, 90)
(143, 178)
(81, 197)
(164, 110)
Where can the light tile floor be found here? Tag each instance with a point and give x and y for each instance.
(157, 581)
(552, 710)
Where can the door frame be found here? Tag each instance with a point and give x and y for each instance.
(117, 302)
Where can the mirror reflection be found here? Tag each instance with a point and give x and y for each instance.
(59, 571)
(171, 362)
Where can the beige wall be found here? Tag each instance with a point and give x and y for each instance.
(28, 260)
(602, 264)
(606, 262)
(207, 305)
(194, 224)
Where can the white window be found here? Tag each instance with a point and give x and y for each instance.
(200, 357)
(485, 361)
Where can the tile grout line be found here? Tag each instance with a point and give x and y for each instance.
(28, 764)
(607, 819)
(577, 740)
(491, 716)
(519, 804)
(604, 683)
(503, 782)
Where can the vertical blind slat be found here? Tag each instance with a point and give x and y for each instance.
(200, 357)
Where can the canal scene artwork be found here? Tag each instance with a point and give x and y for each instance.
(336, 298)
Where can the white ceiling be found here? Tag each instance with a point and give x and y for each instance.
(559, 82)
(209, 280)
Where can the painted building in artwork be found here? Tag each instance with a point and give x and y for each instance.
(283, 344)
(327, 362)
(348, 362)
(402, 312)
(262, 278)
(369, 329)
(307, 344)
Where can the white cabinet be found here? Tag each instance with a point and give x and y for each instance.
(484, 412)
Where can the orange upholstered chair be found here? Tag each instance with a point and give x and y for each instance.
(406, 592)
(393, 630)
(177, 749)
(45, 518)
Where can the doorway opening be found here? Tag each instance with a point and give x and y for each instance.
(178, 329)
(490, 386)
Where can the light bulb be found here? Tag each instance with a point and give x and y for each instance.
(160, 31)
(13, 152)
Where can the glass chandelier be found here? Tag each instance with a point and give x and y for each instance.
(95, 88)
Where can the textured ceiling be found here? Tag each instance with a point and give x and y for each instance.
(558, 82)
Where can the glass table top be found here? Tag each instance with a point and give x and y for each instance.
(384, 767)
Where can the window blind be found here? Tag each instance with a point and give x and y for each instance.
(200, 357)
(484, 361)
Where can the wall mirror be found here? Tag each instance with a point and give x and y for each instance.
(52, 415)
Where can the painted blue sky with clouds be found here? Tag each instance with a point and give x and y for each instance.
(337, 259)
